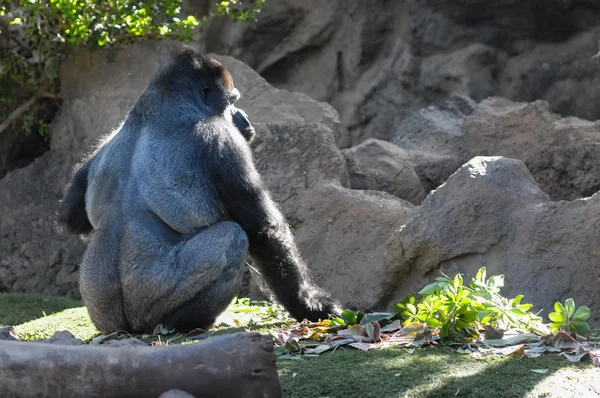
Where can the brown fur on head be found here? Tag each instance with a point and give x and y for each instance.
(221, 74)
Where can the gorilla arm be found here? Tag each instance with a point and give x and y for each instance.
(72, 213)
(272, 245)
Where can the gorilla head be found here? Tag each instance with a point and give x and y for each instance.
(193, 75)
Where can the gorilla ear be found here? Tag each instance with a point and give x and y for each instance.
(204, 93)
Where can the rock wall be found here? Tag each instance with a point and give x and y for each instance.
(376, 61)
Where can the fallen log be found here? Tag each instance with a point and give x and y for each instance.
(238, 365)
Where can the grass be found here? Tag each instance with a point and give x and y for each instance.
(389, 372)
(434, 372)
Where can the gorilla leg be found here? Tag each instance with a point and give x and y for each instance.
(192, 284)
(202, 310)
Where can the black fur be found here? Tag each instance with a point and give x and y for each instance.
(157, 196)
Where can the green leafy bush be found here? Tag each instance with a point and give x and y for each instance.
(461, 311)
(49, 29)
(567, 319)
(458, 312)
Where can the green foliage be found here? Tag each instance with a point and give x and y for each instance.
(567, 319)
(239, 13)
(50, 29)
(461, 311)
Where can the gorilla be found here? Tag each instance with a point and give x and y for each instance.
(174, 207)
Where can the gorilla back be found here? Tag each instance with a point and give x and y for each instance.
(154, 197)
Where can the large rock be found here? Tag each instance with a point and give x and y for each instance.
(434, 140)
(381, 166)
(63, 337)
(344, 239)
(562, 154)
(492, 213)
(407, 54)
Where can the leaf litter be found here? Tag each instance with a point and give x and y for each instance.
(327, 336)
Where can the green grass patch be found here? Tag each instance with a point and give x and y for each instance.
(433, 372)
(388, 372)
(17, 308)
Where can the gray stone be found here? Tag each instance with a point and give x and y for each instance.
(62, 338)
(563, 154)
(381, 166)
(434, 140)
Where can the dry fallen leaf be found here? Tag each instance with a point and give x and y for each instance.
(540, 371)
(363, 346)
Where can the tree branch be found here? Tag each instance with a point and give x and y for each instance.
(14, 115)
(237, 365)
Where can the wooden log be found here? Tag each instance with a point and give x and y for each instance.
(238, 365)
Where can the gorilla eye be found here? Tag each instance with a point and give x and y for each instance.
(204, 92)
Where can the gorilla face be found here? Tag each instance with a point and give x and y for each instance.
(216, 87)
(201, 78)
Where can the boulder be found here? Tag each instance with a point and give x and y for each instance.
(295, 158)
(62, 338)
(381, 166)
(434, 140)
(492, 213)
(343, 239)
(561, 73)
(562, 153)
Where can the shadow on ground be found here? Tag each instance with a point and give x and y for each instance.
(434, 372)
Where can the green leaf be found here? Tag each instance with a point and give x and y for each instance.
(558, 307)
(458, 281)
(525, 307)
(555, 317)
(583, 313)
(580, 327)
(496, 281)
(429, 289)
(373, 331)
(570, 308)
(481, 274)
(349, 317)
(460, 324)
(555, 326)
(540, 371)
(411, 308)
(375, 317)
(359, 317)
(470, 316)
